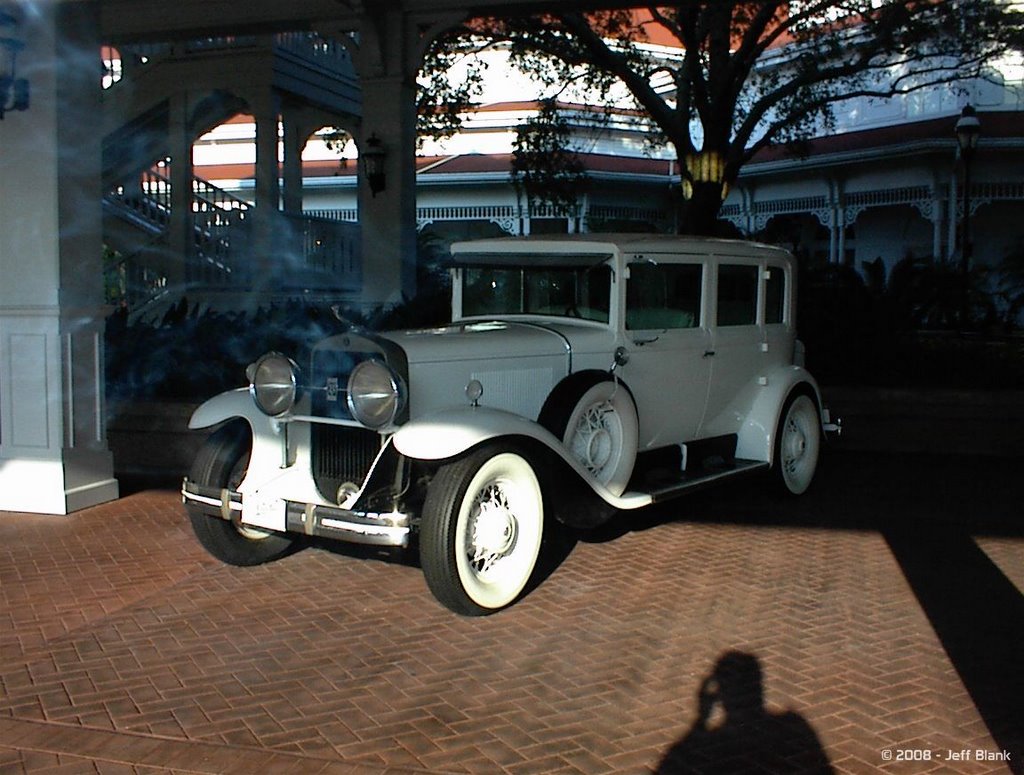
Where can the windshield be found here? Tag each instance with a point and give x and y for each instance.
(573, 291)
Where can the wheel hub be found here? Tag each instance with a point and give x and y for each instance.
(599, 449)
(494, 531)
(594, 443)
(796, 443)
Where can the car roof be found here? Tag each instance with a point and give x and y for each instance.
(619, 243)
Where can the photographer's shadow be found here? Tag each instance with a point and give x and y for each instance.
(735, 733)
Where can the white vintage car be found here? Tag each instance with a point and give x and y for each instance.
(580, 376)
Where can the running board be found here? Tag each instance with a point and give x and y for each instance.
(696, 481)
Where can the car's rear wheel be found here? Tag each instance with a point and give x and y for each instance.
(222, 462)
(481, 530)
(797, 444)
(600, 431)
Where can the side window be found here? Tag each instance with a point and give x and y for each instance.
(775, 295)
(663, 296)
(737, 295)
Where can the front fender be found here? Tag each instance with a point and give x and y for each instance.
(757, 436)
(453, 431)
(226, 406)
(271, 456)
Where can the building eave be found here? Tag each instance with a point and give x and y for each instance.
(933, 137)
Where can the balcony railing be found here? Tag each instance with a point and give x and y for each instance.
(327, 54)
(324, 252)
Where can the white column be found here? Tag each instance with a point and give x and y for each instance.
(53, 452)
(388, 219)
(295, 136)
(267, 263)
(181, 225)
(953, 216)
(841, 228)
(833, 236)
(386, 61)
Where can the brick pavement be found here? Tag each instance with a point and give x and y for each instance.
(883, 611)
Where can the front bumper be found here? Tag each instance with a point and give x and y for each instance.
(358, 527)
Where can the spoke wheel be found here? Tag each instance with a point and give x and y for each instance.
(481, 531)
(797, 444)
(222, 462)
(601, 434)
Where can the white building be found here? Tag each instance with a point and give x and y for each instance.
(886, 183)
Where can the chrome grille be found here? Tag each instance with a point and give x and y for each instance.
(341, 455)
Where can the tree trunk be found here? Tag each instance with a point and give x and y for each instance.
(698, 214)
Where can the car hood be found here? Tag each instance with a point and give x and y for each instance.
(473, 341)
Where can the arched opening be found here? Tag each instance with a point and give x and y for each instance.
(801, 233)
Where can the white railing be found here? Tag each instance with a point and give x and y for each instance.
(330, 248)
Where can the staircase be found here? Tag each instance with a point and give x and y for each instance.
(323, 258)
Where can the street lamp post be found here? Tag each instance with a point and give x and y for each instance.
(968, 128)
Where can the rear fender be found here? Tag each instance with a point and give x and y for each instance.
(757, 436)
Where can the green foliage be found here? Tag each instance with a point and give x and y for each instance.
(904, 330)
(1010, 287)
(441, 99)
(749, 73)
(544, 167)
(336, 138)
(115, 281)
(191, 354)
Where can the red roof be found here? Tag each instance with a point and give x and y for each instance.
(1002, 125)
(476, 163)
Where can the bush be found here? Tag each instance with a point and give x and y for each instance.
(191, 356)
(902, 330)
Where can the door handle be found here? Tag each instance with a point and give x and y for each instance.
(709, 353)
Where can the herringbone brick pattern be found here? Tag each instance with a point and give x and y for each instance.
(127, 649)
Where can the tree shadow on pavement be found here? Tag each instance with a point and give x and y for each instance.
(978, 615)
(735, 733)
(855, 491)
(929, 509)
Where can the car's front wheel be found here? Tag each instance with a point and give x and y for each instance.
(481, 530)
(797, 444)
(222, 462)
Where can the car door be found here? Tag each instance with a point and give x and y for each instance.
(666, 341)
(737, 345)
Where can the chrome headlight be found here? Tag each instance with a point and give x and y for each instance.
(375, 394)
(274, 384)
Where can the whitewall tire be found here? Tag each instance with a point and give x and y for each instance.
(601, 433)
(797, 444)
(481, 530)
(222, 462)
